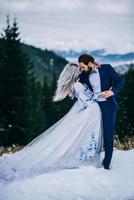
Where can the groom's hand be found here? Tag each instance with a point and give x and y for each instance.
(108, 93)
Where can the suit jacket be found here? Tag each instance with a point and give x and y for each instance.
(108, 78)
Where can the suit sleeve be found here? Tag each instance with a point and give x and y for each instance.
(117, 79)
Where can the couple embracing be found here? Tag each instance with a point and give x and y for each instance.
(82, 134)
(96, 88)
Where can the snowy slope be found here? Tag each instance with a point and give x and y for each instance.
(84, 183)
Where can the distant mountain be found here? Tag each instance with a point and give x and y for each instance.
(124, 68)
(49, 62)
(101, 56)
(46, 62)
(76, 54)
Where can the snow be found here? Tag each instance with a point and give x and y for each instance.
(84, 183)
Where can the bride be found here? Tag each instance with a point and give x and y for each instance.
(74, 140)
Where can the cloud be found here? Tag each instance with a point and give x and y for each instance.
(73, 24)
(114, 7)
(40, 6)
(108, 6)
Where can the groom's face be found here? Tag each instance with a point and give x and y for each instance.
(85, 68)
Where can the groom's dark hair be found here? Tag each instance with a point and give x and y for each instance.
(86, 58)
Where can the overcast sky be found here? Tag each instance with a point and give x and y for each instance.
(73, 24)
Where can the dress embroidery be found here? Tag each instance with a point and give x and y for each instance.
(85, 97)
(83, 94)
(90, 149)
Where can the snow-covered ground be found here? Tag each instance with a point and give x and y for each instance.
(84, 183)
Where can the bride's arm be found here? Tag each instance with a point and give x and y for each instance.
(83, 94)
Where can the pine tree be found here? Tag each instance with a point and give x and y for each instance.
(37, 116)
(125, 122)
(46, 102)
(14, 85)
(19, 91)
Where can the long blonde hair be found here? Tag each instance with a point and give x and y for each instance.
(66, 80)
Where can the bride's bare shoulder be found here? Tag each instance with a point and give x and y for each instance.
(70, 93)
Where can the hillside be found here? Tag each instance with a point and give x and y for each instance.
(45, 62)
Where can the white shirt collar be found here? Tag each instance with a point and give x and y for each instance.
(94, 70)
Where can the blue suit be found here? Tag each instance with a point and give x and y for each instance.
(108, 78)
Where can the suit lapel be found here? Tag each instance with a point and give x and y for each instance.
(101, 76)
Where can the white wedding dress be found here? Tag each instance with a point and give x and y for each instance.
(76, 139)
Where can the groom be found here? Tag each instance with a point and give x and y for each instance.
(104, 80)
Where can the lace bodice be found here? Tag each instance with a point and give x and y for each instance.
(83, 94)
